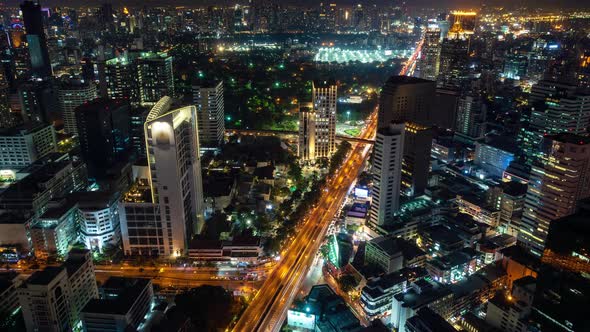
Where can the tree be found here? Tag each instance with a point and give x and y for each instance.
(347, 283)
(209, 307)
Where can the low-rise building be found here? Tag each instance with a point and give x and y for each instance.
(454, 266)
(378, 292)
(244, 249)
(99, 224)
(122, 306)
(392, 254)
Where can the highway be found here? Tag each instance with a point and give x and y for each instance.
(269, 307)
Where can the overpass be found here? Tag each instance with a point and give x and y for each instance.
(292, 134)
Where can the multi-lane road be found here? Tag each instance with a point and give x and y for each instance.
(269, 307)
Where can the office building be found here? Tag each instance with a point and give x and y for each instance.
(427, 320)
(54, 176)
(172, 195)
(386, 170)
(405, 98)
(324, 99)
(120, 78)
(471, 117)
(306, 143)
(568, 241)
(21, 146)
(103, 132)
(99, 224)
(51, 299)
(208, 98)
(391, 254)
(416, 159)
(137, 116)
(555, 108)
(73, 93)
(454, 59)
(38, 101)
(81, 280)
(494, 154)
(122, 306)
(421, 293)
(9, 304)
(7, 119)
(36, 39)
(323, 311)
(511, 313)
(428, 63)
(555, 188)
(45, 301)
(55, 231)
(154, 77)
(377, 294)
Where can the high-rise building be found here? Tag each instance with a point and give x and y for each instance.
(155, 77)
(103, 130)
(405, 98)
(36, 40)
(137, 116)
(23, 145)
(306, 143)
(416, 158)
(471, 117)
(208, 98)
(555, 108)
(386, 170)
(161, 217)
(100, 222)
(51, 299)
(120, 78)
(555, 188)
(122, 306)
(71, 94)
(324, 99)
(45, 301)
(51, 177)
(38, 101)
(428, 63)
(7, 120)
(56, 230)
(454, 58)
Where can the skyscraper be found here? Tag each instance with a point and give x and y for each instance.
(555, 108)
(405, 98)
(471, 117)
(416, 158)
(555, 187)
(429, 61)
(120, 78)
(36, 39)
(306, 143)
(324, 98)
(103, 131)
(73, 93)
(161, 213)
(208, 98)
(386, 170)
(155, 77)
(454, 58)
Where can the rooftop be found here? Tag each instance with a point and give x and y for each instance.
(45, 276)
(570, 138)
(122, 292)
(393, 245)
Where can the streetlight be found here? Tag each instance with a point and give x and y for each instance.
(347, 115)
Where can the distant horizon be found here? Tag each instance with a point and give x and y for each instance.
(542, 4)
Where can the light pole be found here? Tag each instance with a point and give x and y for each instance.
(347, 115)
